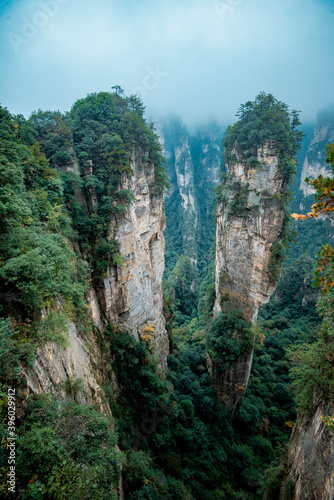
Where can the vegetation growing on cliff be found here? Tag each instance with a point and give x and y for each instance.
(229, 337)
(106, 133)
(177, 440)
(265, 122)
(189, 153)
(55, 215)
(66, 450)
(267, 410)
(39, 269)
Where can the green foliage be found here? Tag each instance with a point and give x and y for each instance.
(179, 441)
(265, 120)
(62, 193)
(9, 354)
(259, 434)
(66, 451)
(52, 130)
(201, 151)
(39, 269)
(109, 128)
(186, 442)
(312, 369)
(237, 207)
(180, 286)
(277, 253)
(229, 337)
(73, 386)
(37, 265)
(106, 134)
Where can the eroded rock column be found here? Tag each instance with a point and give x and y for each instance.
(250, 227)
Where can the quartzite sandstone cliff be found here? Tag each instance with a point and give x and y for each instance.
(315, 161)
(249, 222)
(131, 296)
(194, 159)
(133, 292)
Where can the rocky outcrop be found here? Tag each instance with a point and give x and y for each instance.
(133, 292)
(249, 222)
(315, 161)
(131, 297)
(311, 459)
(70, 371)
(249, 231)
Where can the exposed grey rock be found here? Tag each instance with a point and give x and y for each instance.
(315, 160)
(133, 293)
(311, 458)
(244, 238)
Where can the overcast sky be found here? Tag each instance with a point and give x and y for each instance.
(198, 58)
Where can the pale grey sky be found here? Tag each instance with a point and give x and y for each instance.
(200, 59)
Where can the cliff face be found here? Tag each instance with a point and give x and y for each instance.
(248, 235)
(194, 159)
(245, 236)
(131, 297)
(133, 293)
(311, 459)
(56, 369)
(315, 161)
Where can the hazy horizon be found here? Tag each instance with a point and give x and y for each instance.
(198, 60)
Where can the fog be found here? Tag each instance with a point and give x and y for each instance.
(199, 59)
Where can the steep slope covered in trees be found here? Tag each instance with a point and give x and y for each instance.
(193, 163)
(310, 459)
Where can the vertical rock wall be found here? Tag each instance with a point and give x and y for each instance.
(131, 296)
(245, 237)
(315, 160)
(194, 159)
(311, 459)
(133, 293)
(249, 222)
